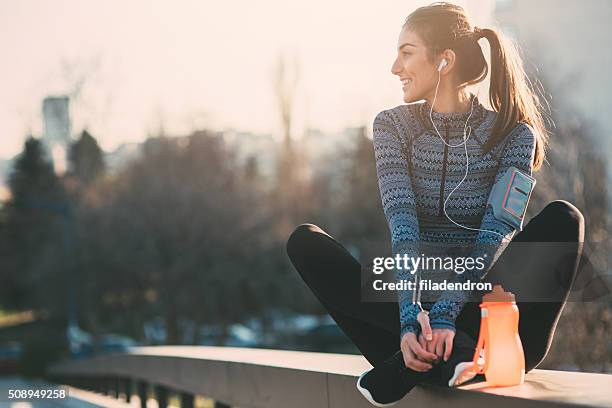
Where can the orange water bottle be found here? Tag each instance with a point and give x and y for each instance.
(499, 353)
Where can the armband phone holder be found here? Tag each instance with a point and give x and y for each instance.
(510, 195)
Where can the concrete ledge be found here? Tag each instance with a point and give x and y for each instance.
(276, 378)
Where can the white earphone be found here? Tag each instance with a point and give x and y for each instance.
(443, 63)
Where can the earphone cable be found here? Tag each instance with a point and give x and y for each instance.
(467, 163)
(466, 135)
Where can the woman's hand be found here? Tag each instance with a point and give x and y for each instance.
(441, 343)
(415, 356)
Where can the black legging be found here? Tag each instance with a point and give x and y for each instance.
(334, 276)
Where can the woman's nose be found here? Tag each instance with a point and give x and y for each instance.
(395, 69)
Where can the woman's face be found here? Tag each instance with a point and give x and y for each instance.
(413, 65)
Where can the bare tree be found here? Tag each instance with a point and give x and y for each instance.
(292, 186)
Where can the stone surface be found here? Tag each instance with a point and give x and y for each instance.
(278, 378)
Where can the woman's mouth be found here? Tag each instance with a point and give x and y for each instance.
(406, 83)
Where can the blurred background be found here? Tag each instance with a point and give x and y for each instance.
(156, 155)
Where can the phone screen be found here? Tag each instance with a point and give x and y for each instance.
(518, 194)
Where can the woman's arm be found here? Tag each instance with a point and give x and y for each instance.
(519, 152)
(399, 206)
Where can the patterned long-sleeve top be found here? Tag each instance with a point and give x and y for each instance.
(413, 206)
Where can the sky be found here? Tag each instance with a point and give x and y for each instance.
(133, 67)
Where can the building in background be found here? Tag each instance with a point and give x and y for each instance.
(57, 128)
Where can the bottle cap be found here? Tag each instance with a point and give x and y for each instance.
(498, 295)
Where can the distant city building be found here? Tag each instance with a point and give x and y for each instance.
(56, 133)
(56, 117)
(122, 155)
(262, 147)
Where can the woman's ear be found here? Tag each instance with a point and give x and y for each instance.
(450, 57)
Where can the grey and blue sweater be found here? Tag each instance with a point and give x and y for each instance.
(413, 206)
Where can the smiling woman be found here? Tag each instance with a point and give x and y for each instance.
(438, 158)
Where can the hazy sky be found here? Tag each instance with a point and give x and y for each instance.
(197, 63)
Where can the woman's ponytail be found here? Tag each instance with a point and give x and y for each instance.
(511, 94)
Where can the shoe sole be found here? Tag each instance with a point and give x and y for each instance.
(463, 373)
(367, 394)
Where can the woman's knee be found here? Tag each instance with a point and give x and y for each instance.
(564, 210)
(565, 216)
(299, 238)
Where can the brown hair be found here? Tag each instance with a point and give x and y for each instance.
(444, 26)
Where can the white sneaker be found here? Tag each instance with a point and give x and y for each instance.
(463, 372)
(367, 395)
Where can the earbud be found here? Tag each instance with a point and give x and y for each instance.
(443, 63)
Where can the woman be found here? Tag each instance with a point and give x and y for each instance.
(436, 163)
